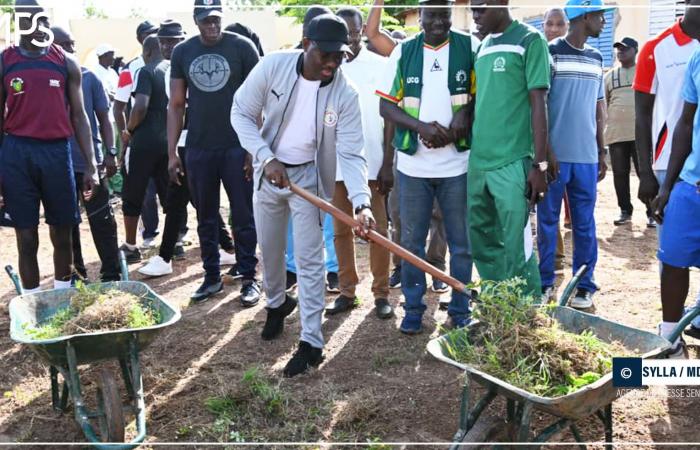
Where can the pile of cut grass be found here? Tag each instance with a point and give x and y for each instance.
(93, 309)
(521, 344)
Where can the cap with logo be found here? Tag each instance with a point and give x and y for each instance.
(146, 27)
(627, 42)
(330, 33)
(103, 49)
(577, 8)
(207, 8)
(171, 29)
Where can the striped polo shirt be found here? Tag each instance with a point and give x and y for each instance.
(661, 66)
(577, 86)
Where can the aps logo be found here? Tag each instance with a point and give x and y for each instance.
(39, 21)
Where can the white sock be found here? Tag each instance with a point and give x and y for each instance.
(666, 330)
(33, 291)
(129, 246)
(58, 284)
(697, 300)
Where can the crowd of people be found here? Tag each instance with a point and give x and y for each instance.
(453, 141)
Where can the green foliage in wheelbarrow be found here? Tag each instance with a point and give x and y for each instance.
(518, 342)
(94, 308)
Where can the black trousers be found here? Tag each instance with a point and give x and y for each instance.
(176, 217)
(620, 155)
(103, 227)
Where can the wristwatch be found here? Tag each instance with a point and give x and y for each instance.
(542, 166)
(361, 207)
(113, 151)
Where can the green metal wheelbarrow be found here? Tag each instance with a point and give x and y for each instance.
(593, 400)
(64, 354)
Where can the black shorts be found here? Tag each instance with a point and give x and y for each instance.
(140, 165)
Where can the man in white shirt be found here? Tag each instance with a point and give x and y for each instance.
(426, 94)
(364, 69)
(104, 71)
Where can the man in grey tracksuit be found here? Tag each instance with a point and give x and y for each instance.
(290, 89)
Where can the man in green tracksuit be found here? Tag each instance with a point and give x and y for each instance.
(508, 161)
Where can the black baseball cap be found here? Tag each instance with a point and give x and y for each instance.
(330, 33)
(206, 8)
(170, 29)
(146, 27)
(627, 42)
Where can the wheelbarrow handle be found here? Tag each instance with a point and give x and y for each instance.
(684, 322)
(123, 266)
(381, 240)
(15, 279)
(564, 299)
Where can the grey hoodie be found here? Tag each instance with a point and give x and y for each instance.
(270, 90)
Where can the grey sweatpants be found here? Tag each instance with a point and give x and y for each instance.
(272, 207)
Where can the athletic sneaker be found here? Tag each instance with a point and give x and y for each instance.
(179, 252)
(624, 218)
(678, 351)
(132, 256)
(226, 259)
(303, 359)
(439, 286)
(148, 243)
(395, 278)
(332, 284)
(250, 293)
(651, 223)
(156, 267)
(582, 300)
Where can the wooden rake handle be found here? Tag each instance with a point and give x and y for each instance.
(380, 240)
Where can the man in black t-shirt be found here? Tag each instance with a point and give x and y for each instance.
(147, 154)
(206, 71)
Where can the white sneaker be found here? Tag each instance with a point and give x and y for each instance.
(678, 351)
(148, 243)
(226, 259)
(582, 300)
(156, 267)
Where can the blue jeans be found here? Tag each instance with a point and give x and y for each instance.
(331, 258)
(580, 182)
(416, 197)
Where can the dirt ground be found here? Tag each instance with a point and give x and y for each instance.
(210, 378)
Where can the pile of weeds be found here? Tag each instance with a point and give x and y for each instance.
(93, 309)
(519, 343)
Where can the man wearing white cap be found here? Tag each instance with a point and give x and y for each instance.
(104, 71)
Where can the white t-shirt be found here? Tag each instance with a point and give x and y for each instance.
(127, 80)
(108, 77)
(365, 72)
(297, 145)
(435, 106)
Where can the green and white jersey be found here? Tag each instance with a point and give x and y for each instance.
(508, 66)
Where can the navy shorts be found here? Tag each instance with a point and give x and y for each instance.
(679, 244)
(35, 171)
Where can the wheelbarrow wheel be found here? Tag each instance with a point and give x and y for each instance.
(110, 409)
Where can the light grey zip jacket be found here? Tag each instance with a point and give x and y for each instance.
(270, 89)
